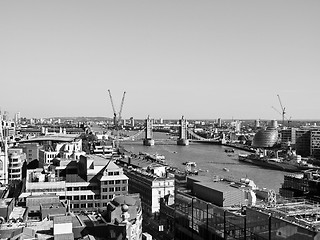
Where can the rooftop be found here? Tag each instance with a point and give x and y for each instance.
(298, 210)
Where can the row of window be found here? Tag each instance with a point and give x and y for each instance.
(46, 190)
(89, 197)
(87, 205)
(112, 182)
(112, 189)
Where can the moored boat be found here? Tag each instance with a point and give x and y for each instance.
(282, 164)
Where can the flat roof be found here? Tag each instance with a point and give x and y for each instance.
(55, 137)
(219, 186)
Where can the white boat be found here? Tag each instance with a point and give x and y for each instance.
(159, 157)
(191, 168)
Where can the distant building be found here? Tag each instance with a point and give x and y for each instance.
(288, 137)
(132, 122)
(315, 143)
(69, 149)
(303, 139)
(219, 122)
(31, 150)
(4, 164)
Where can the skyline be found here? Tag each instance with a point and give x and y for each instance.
(60, 58)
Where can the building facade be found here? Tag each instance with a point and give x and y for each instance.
(303, 138)
(151, 188)
(16, 164)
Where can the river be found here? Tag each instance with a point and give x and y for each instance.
(211, 160)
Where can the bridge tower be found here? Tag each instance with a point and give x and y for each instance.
(183, 140)
(148, 140)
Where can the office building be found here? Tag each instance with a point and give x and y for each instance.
(303, 139)
(16, 164)
(89, 183)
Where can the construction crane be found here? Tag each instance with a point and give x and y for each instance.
(289, 120)
(283, 110)
(117, 117)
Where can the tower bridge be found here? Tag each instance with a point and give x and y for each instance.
(183, 128)
(185, 134)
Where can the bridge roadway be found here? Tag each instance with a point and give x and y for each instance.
(169, 141)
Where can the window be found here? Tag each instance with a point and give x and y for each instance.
(69, 197)
(118, 181)
(116, 173)
(76, 189)
(69, 188)
(105, 204)
(111, 182)
(105, 197)
(124, 181)
(83, 197)
(90, 197)
(83, 188)
(76, 197)
(83, 205)
(97, 197)
(110, 173)
(104, 189)
(97, 204)
(76, 205)
(90, 205)
(111, 189)
(110, 196)
(124, 189)
(117, 189)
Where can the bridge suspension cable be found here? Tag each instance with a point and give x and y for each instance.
(196, 136)
(129, 137)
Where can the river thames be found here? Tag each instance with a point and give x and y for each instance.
(211, 160)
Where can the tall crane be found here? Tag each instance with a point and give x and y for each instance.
(117, 117)
(283, 110)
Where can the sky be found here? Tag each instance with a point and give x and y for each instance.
(197, 59)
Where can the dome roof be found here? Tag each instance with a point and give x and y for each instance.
(124, 208)
(265, 138)
(127, 200)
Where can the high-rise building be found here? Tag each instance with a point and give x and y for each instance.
(132, 121)
(4, 163)
(288, 137)
(303, 138)
(315, 143)
(16, 160)
(219, 122)
(17, 118)
(6, 116)
(256, 123)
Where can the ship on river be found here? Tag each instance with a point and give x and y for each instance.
(282, 164)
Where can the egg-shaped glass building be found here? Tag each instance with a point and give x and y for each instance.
(265, 138)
